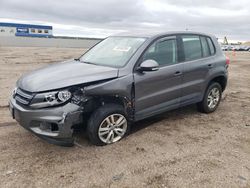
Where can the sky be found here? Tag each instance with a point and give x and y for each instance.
(101, 18)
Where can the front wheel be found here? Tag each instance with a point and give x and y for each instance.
(211, 98)
(107, 125)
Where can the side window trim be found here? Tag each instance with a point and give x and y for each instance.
(202, 52)
(164, 39)
(180, 49)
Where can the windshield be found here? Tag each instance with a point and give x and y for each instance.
(113, 51)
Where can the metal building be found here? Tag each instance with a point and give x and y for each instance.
(25, 30)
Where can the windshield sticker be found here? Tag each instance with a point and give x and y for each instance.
(122, 49)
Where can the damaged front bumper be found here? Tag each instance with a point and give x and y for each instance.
(55, 125)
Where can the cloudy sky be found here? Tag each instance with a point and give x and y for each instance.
(100, 18)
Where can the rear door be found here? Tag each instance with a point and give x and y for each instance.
(160, 90)
(198, 61)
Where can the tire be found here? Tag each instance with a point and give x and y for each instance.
(104, 122)
(211, 99)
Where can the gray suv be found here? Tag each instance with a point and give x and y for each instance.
(121, 80)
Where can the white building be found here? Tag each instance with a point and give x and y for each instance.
(25, 30)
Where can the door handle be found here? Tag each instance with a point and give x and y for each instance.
(177, 73)
(210, 66)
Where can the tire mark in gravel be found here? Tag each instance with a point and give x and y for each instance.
(4, 106)
(7, 124)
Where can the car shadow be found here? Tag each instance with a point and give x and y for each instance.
(81, 138)
(172, 115)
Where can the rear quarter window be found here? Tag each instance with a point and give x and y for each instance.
(211, 46)
(205, 46)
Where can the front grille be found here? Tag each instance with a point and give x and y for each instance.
(23, 97)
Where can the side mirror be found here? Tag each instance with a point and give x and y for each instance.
(148, 65)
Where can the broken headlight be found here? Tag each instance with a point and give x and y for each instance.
(79, 97)
(54, 98)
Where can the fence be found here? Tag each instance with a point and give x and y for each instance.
(47, 42)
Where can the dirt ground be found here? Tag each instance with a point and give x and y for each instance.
(181, 148)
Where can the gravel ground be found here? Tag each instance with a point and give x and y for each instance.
(181, 148)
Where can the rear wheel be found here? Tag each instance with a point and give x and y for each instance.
(107, 125)
(211, 98)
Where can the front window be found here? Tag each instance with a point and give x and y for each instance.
(113, 51)
(163, 51)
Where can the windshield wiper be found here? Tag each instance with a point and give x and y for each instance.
(78, 59)
(89, 63)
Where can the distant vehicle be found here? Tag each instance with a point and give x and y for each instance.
(224, 48)
(241, 48)
(230, 48)
(123, 79)
(246, 48)
(236, 48)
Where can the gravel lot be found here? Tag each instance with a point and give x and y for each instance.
(181, 148)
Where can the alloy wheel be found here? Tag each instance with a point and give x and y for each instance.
(112, 128)
(213, 98)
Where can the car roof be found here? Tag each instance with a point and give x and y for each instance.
(149, 34)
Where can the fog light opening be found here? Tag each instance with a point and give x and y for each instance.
(43, 126)
(54, 127)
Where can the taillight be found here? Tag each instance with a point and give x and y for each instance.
(227, 61)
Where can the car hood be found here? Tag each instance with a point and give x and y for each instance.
(64, 74)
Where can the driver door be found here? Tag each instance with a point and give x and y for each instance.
(158, 91)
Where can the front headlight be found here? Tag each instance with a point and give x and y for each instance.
(14, 92)
(42, 100)
(63, 96)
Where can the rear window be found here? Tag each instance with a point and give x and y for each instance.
(192, 47)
